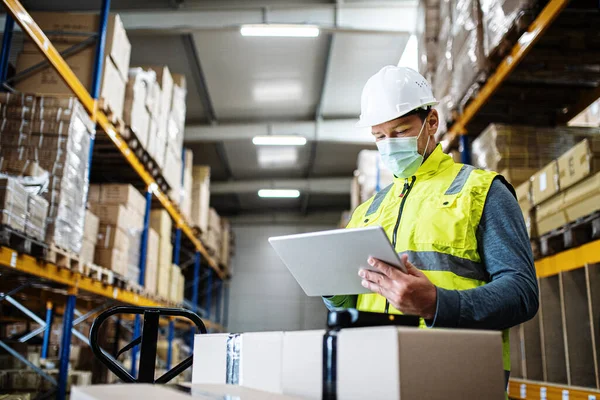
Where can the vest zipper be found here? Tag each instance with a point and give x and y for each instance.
(405, 191)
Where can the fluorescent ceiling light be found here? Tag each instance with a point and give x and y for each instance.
(280, 30)
(279, 193)
(277, 91)
(279, 140)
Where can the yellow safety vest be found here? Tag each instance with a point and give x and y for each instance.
(433, 217)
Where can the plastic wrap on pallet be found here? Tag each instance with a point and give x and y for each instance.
(501, 146)
(37, 215)
(13, 204)
(499, 17)
(58, 132)
(469, 63)
(372, 174)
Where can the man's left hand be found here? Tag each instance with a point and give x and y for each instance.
(411, 293)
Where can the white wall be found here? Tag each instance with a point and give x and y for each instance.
(264, 296)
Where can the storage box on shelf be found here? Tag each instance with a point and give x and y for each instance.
(212, 237)
(90, 238)
(116, 57)
(519, 151)
(13, 204)
(120, 209)
(177, 284)
(54, 132)
(136, 114)
(37, 214)
(186, 190)
(150, 281)
(200, 197)
(161, 222)
(590, 117)
(226, 239)
(371, 175)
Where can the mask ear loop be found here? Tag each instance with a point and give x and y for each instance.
(428, 137)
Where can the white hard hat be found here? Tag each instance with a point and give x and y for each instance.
(391, 93)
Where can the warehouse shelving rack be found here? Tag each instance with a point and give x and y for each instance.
(556, 16)
(73, 283)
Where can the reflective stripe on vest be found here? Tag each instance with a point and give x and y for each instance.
(437, 228)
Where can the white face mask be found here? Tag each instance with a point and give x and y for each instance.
(401, 155)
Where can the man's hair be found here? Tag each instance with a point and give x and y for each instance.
(422, 112)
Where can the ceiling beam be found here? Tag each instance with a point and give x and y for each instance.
(333, 130)
(313, 185)
(385, 18)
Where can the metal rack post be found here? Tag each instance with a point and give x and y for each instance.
(465, 149)
(144, 240)
(219, 290)
(46, 341)
(9, 26)
(208, 297)
(225, 305)
(170, 337)
(177, 246)
(65, 344)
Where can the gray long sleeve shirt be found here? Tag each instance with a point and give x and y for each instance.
(511, 296)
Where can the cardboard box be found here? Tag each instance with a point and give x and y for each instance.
(112, 236)
(113, 259)
(91, 227)
(523, 192)
(124, 194)
(153, 99)
(172, 173)
(151, 279)
(117, 44)
(516, 176)
(583, 198)
(13, 204)
(47, 80)
(544, 184)
(186, 190)
(164, 280)
(577, 164)
(161, 222)
(165, 253)
(412, 363)
(302, 363)
(214, 221)
(259, 354)
(147, 391)
(165, 81)
(88, 249)
(111, 214)
(37, 215)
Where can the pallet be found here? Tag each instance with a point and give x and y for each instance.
(114, 119)
(573, 234)
(21, 242)
(99, 273)
(62, 258)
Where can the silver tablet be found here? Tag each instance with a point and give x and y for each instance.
(327, 263)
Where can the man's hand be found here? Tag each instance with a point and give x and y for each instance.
(412, 293)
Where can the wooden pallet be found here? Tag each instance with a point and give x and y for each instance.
(576, 233)
(21, 242)
(114, 119)
(62, 258)
(99, 273)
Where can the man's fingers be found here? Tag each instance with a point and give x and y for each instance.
(375, 277)
(382, 267)
(410, 267)
(373, 287)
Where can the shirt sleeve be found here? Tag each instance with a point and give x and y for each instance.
(511, 296)
(343, 301)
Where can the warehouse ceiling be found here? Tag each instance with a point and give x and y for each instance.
(240, 87)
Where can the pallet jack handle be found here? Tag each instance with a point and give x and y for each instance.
(148, 341)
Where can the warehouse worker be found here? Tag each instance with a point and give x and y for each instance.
(459, 230)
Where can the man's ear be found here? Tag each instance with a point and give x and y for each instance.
(433, 121)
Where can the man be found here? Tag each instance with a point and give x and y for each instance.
(459, 230)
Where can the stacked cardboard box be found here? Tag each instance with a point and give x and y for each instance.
(136, 113)
(200, 197)
(90, 238)
(120, 208)
(518, 151)
(371, 176)
(178, 112)
(116, 57)
(54, 132)
(499, 17)
(37, 215)
(226, 238)
(177, 281)
(160, 220)
(589, 117)
(13, 204)
(212, 237)
(185, 197)
(575, 183)
(152, 257)
(523, 192)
